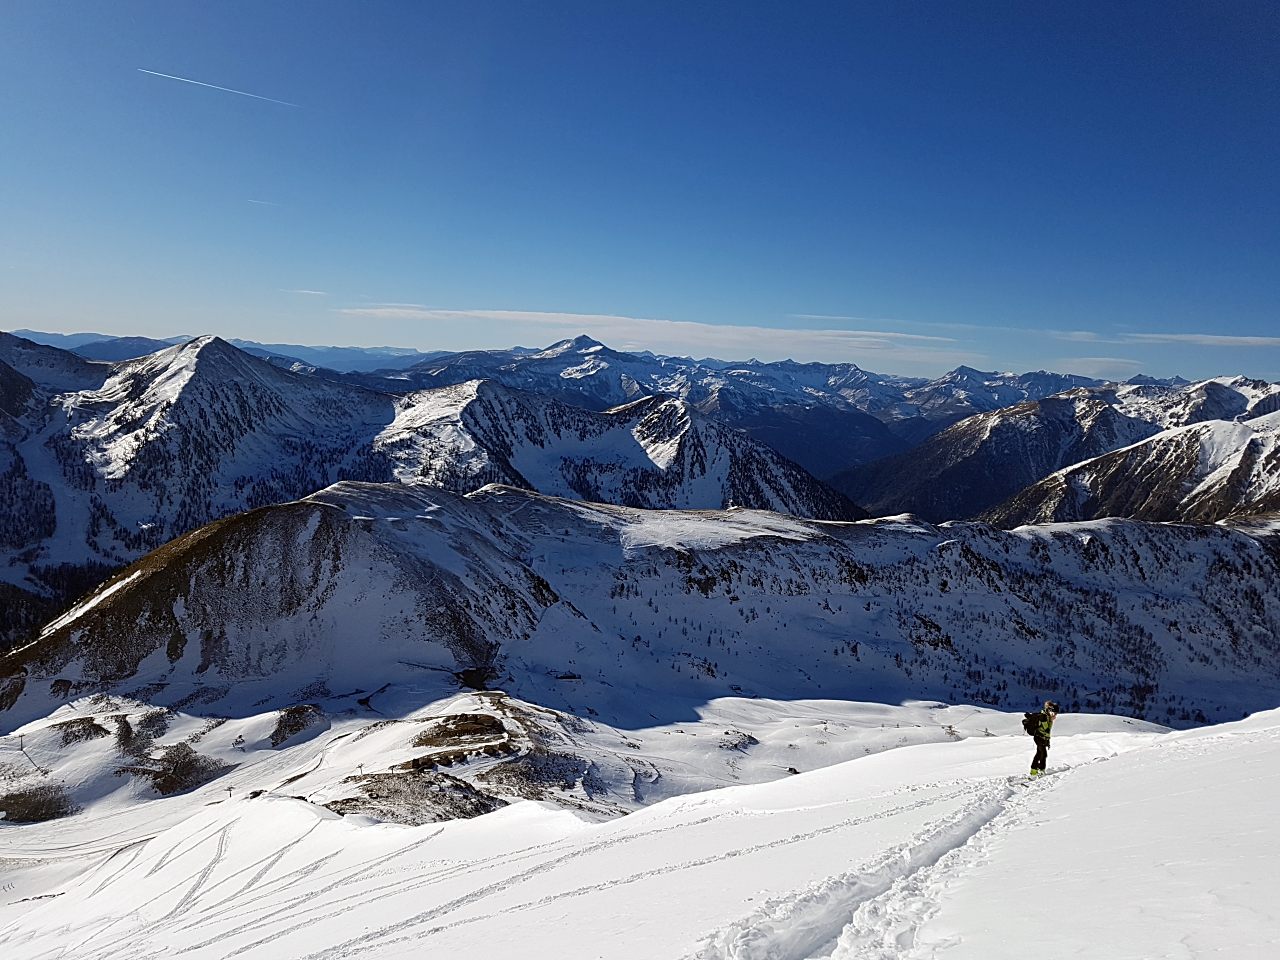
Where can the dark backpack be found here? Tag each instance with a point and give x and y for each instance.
(1031, 722)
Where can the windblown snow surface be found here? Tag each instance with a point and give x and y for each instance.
(1140, 843)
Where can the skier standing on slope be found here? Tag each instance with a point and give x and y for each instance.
(1040, 726)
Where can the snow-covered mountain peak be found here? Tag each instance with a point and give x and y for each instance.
(654, 452)
(577, 345)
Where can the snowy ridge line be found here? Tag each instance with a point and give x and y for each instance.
(352, 947)
(794, 926)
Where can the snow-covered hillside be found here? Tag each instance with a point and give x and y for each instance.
(1138, 844)
(1202, 473)
(975, 465)
(1178, 403)
(585, 607)
(100, 463)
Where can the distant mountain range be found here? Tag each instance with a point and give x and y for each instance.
(1147, 450)
(102, 462)
(97, 346)
(956, 447)
(825, 417)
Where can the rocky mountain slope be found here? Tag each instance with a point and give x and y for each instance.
(362, 586)
(100, 463)
(656, 453)
(1201, 473)
(980, 462)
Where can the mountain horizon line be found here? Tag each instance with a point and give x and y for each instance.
(99, 346)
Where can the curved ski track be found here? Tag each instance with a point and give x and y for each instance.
(874, 912)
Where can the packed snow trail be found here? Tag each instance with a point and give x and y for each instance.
(885, 927)
(790, 927)
(1168, 851)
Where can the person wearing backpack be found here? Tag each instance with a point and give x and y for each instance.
(1040, 726)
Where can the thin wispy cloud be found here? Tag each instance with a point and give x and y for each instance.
(877, 333)
(265, 203)
(703, 339)
(214, 86)
(1077, 336)
(1203, 339)
(1103, 368)
(307, 293)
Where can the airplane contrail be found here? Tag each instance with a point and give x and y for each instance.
(213, 86)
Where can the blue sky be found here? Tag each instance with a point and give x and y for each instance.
(1087, 187)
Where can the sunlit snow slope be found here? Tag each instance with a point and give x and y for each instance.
(1137, 845)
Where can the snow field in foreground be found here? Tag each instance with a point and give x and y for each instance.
(1139, 846)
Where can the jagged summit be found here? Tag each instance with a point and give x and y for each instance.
(654, 452)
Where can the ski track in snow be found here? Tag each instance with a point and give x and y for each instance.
(302, 910)
(792, 927)
(354, 947)
(884, 927)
